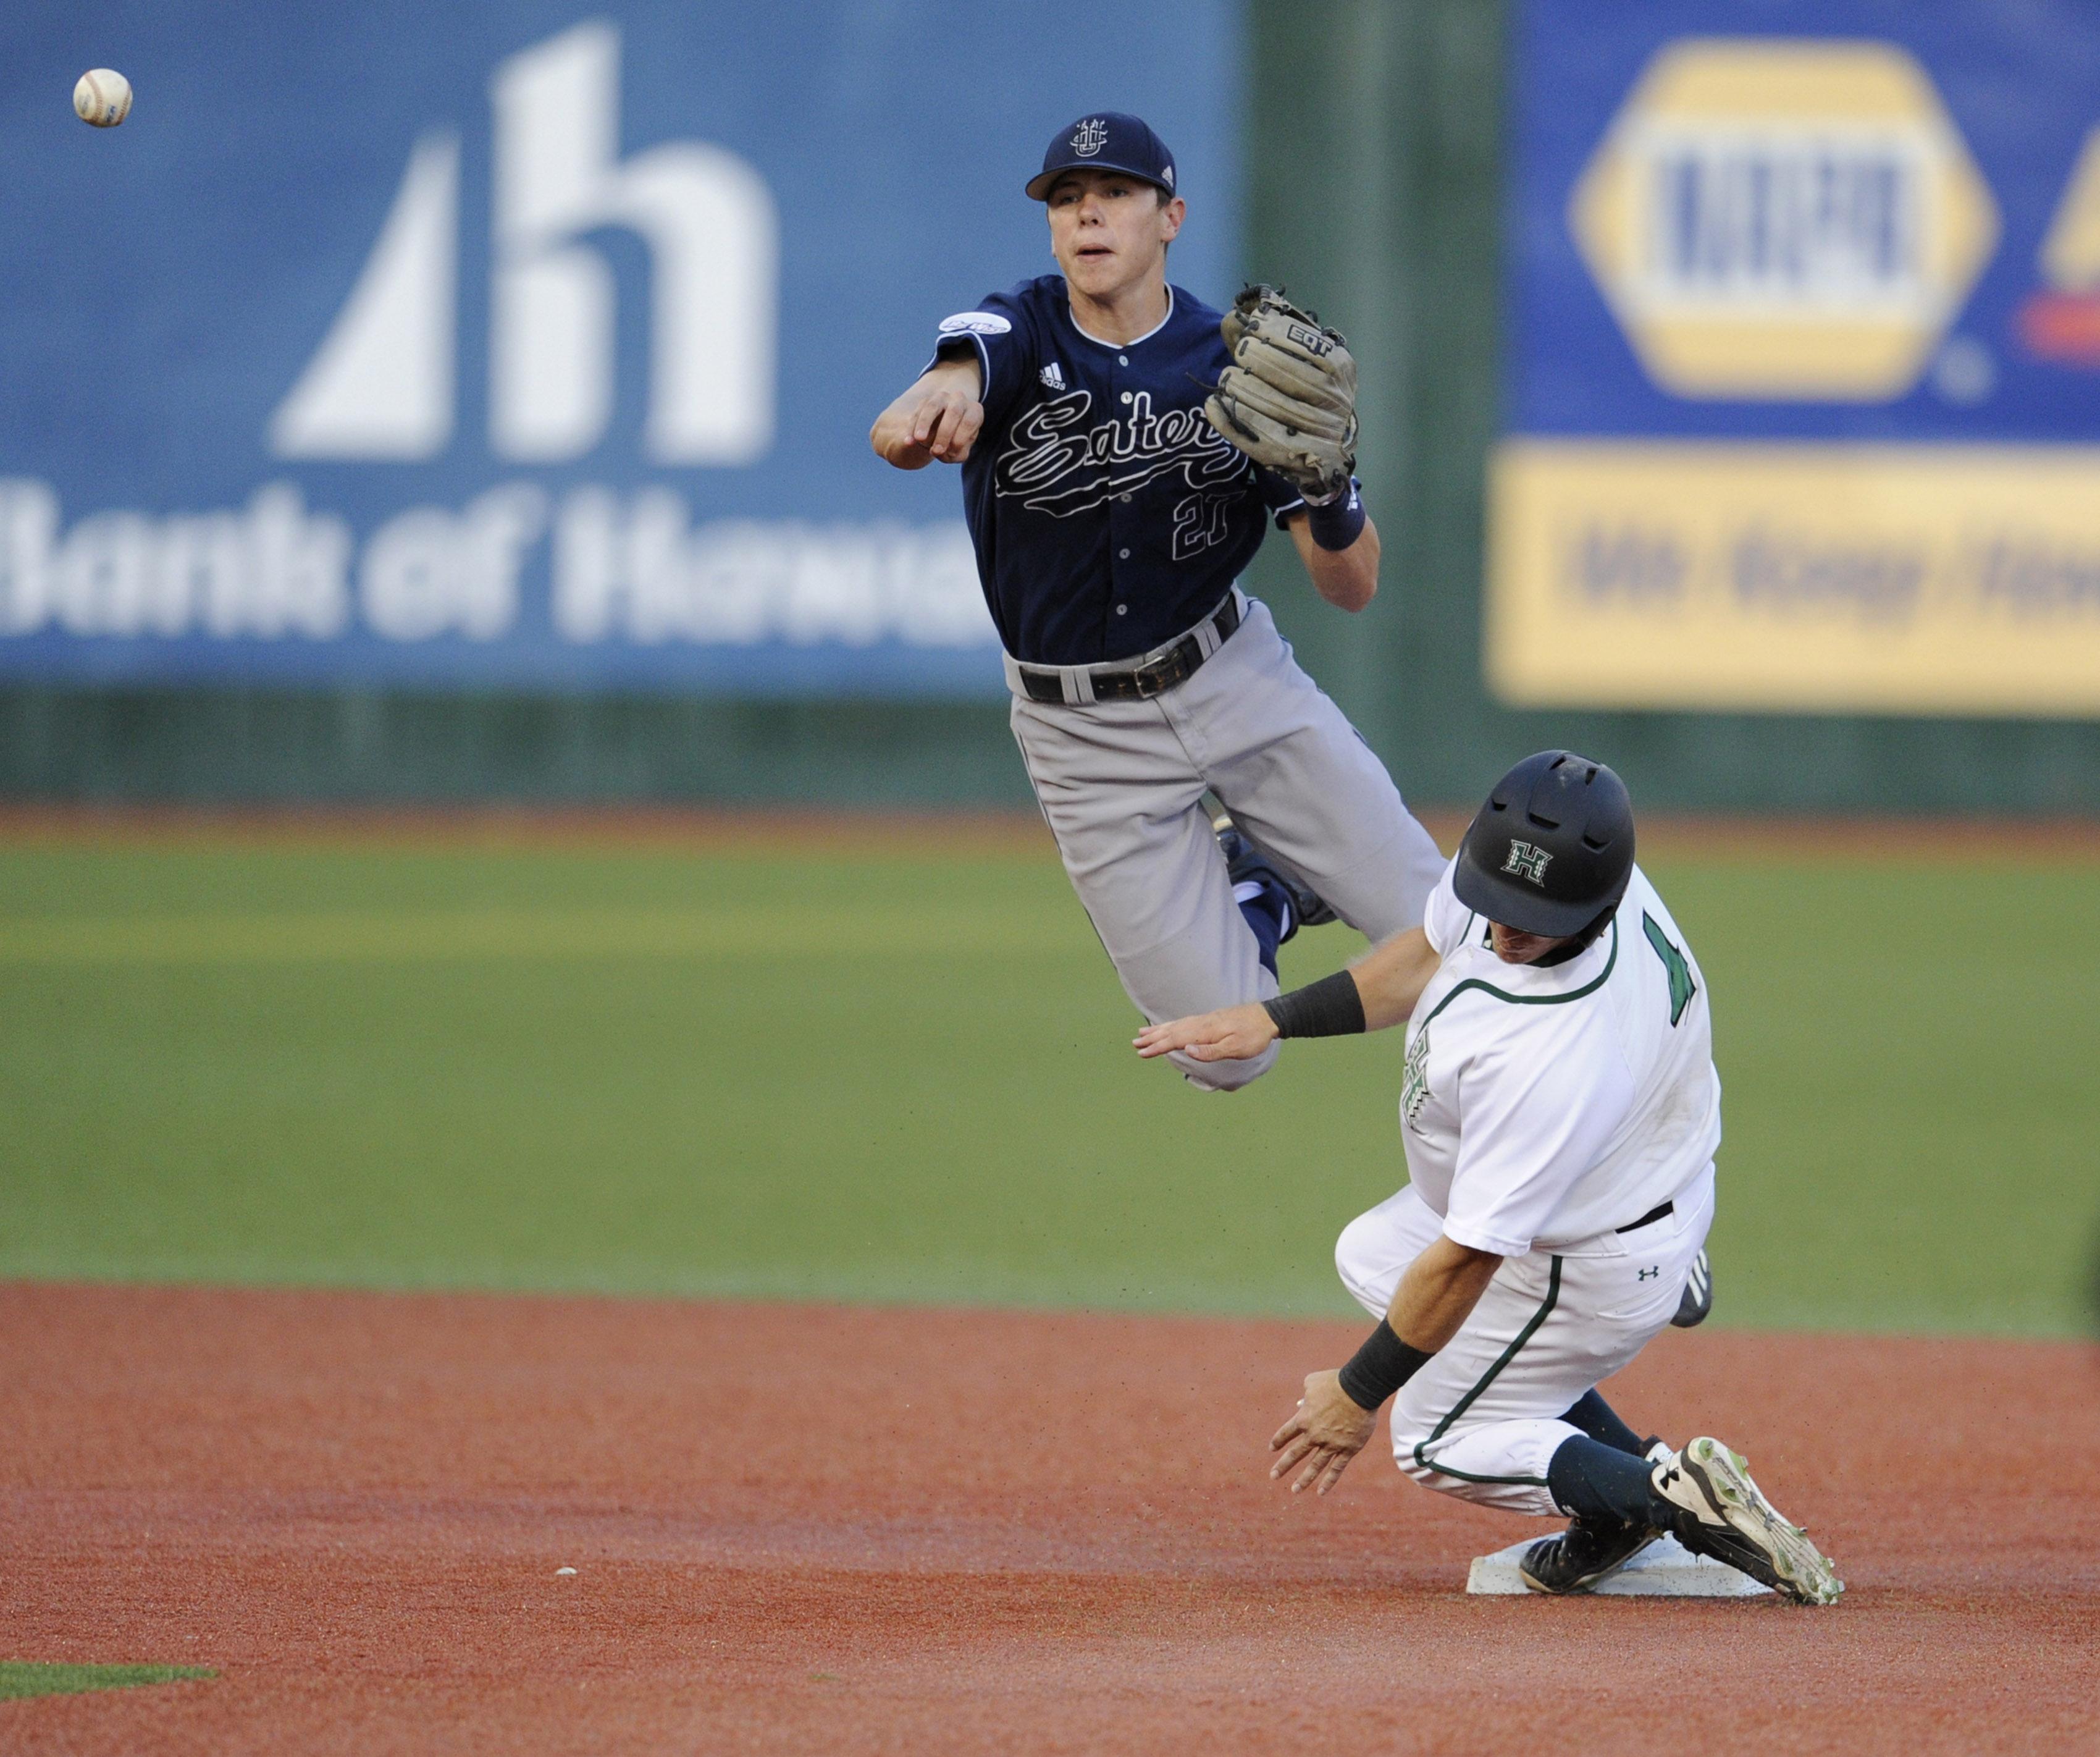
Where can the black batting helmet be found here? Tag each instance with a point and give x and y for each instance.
(1552, 849)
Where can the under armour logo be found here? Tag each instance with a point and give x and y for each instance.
(1648, 1274)
(1090, 137)
(1528, 862)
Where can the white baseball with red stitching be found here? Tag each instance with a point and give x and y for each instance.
(102, 98)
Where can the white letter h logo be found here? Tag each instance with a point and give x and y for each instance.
(381, 384)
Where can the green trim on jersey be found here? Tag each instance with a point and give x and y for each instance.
(1532, 1000)
(1682, 987)
(1508, 1354)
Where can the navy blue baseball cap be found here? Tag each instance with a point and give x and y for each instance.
(1105, 141)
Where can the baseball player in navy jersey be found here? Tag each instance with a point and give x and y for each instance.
(1123, 446)
(1560, 1111)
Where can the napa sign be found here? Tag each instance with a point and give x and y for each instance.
(1804, 364)
(534, 347)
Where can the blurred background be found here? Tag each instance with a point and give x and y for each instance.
(462, 406)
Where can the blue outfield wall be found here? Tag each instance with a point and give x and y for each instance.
(482, 410)
(527, 346)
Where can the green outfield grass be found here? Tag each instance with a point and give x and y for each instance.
(879, 1077)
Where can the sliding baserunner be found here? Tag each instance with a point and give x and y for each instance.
(1560, 1111)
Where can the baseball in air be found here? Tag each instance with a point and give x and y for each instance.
(103, 98)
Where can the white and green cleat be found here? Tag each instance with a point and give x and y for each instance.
(1722, 1512)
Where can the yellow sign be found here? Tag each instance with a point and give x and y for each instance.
(1784, 219)
(1913, 578)
(2061, 322)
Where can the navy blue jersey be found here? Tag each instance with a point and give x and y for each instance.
(1108, 515)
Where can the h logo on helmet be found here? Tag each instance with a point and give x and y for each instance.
(1090, 137)
(1528, 862)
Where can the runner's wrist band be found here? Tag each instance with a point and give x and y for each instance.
(1340, 522)
(1332, 1007)
(1380, 1367)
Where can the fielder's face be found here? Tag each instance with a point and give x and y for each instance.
(1109, 231)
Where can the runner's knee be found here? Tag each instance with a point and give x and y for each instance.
(1364, 1259)
(1497, 1464)
(1406, 1438)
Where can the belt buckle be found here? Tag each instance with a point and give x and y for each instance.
(1164, 674)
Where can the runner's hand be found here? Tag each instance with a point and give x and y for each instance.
(1329, 1428)
(1238, 1034)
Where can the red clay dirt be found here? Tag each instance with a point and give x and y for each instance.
(815, 1529)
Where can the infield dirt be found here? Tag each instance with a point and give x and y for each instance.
(806, 1528)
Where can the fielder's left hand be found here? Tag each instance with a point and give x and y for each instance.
(1329, 1428)
(1237, 1034)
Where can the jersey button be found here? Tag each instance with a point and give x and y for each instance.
(1126, 500)
(1123, 359)
(1123, 554)
(1123, 609)
(1125, 397)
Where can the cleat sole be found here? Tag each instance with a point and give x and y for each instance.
(1792, 1564)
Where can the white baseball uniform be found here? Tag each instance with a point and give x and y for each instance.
(1565, 1118)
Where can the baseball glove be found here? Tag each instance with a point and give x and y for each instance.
(1289, 399)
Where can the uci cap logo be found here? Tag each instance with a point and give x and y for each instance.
(1527, 861)
(1090, 137)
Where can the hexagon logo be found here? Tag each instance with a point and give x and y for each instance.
(1784, 220)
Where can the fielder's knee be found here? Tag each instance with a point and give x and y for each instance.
(1224, 1076)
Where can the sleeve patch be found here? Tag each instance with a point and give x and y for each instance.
(975, 324)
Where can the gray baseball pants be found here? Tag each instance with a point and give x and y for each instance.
(1121, 784)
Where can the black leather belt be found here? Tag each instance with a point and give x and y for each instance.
(1155, 676)
(1654, 1214)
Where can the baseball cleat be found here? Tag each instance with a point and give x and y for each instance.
(1583, 1555)
(1720, 1513)
(1245, 862)
(1698, 1297)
